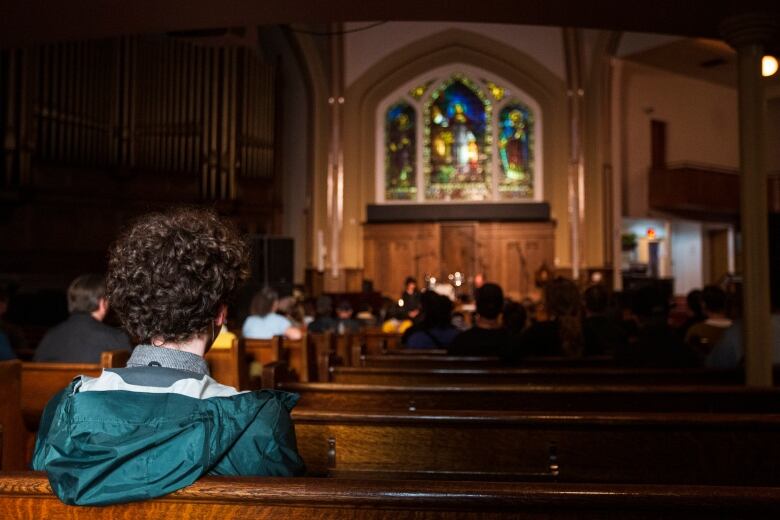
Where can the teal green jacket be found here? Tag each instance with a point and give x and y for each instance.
(120, 444)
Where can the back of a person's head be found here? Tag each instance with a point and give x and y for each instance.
(437, 309)
(562, 298)
(714, 299)
(596, 299)
(515, 316)
(490, 301)
(85, 293)
(647, 302)
(344, 309)
(694, 302)
(263, 302)
(170, 273)
(324, 305)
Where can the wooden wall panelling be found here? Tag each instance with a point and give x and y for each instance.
(394, 251)
(458, 249)
(390, 251)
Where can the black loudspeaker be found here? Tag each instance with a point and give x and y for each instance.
(272, 263)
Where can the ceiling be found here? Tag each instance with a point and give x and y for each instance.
(701, 58)
(704, 59)
(30, 21)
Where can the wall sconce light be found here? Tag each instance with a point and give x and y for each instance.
(768, 66)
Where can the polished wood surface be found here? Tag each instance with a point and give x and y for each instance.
(41, 381)
(682, 448)
(733, 399)
(509, 253)
(228, 365)
(13, 434)
(427, 361)
(27, 496)
(532, 376)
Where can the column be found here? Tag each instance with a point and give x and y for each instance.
(747, 34)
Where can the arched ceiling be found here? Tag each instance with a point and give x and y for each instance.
(30, 21)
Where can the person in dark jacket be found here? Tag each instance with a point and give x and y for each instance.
(161, 423)
(487, 337)
(83, 337)
(435, 329)
(602, 334)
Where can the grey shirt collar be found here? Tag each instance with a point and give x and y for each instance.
(148, 355)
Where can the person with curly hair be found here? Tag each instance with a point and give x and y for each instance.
(162, 422)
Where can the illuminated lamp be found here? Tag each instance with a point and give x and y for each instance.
(650, 234)
(768, 66)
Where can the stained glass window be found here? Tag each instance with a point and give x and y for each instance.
(457, 142)
(400, 153)
(515, 151)
(477, 141)
(419, 91)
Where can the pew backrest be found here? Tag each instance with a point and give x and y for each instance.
(28, 496)
(679, 448)
(635, 398)
(228, 365)
(41, 381)
(13, 434)
(533, 376)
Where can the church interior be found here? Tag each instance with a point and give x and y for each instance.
(613, 169)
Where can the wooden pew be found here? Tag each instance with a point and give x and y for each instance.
(722, 399)
(228, 365)
(376, 342)
(422, 358)
(532, 376)
(13, 433)
(27, 496)
(427, 361)
(298, 354)
(671, 448)
(41, 381)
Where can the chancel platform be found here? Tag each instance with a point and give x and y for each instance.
(507, 242)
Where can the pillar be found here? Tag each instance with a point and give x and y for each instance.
(748, 34)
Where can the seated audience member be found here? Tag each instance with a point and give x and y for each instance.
(13, 332)
(82, 337)
(696, 314)
(345, 323)
(324, 321)
(654, 343)
(435, 329)
(264, 322)
(602, 334)
(161, 423)
(558, 330)
(728, 351)
(365, 316)
(487, 337)
(289, 308)
(400, 319)
(703, 335)
(411, 295)
(515, 318)
(6, 352)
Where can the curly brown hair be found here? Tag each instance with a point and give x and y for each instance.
(169, 273)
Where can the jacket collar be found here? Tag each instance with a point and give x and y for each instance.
(148, 355)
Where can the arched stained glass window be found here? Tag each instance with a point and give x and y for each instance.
(457, 142)
(474, 137)
(400, 152)
(515, 151)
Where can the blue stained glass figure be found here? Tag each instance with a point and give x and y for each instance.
(457, 141)
(400, 152)
(515, 151)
